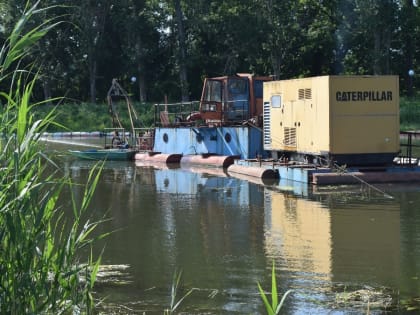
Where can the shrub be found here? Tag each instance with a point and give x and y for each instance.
(40, 271)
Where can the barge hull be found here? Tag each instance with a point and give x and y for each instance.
(328, 176)
(368, 177)
(245, 142)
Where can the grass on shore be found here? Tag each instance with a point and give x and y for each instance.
(93, 117)
(410, 113)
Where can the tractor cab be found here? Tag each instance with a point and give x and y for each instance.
(230, 100)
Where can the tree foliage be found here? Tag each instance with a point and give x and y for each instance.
(161, 47)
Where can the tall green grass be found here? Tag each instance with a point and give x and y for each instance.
(40, 271)
(275, 306)
(175, 303)
(410, 113)
(94, 117)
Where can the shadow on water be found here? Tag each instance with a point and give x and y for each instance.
(344, 250)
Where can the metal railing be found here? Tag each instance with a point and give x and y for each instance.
(175, 114)
(407, 158)
(182, 114)
(144, 139)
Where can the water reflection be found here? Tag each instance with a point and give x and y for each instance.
(300, 230)
(224, 233)
(331, 246)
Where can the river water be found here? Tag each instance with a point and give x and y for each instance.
(225, 233)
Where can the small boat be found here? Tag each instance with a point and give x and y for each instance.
(118, 154)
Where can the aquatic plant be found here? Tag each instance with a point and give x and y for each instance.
(39, 264)
(175, 287)
(275, 306)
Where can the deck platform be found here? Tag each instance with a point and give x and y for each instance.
(330, 176)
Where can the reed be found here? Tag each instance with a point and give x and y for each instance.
(275, 306)
(175, 288)
(39, 265)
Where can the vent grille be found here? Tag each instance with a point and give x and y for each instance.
(267, 128)
(305, 94)
(301, 93)
(290, 137)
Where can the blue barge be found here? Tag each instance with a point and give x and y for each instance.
(242, 142)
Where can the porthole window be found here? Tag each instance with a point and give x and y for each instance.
(165, 138)
(228, 137)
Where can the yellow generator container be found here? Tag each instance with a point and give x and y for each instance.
(352, 120)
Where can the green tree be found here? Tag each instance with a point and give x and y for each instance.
(282, 40)
(367, 36)
(317, 24)
(409, 36)
(170, 46)
(92, 16)
(137, 25)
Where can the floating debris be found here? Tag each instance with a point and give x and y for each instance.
(366, 298)
(111, 275)
(114, 275)
(411, 304)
